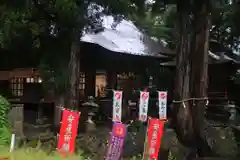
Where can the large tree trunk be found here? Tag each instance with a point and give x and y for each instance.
(191, 75)
(71, 99)
(182, 120)
(199, 74)
(74, 70)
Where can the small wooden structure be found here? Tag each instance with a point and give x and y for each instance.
(23, 88)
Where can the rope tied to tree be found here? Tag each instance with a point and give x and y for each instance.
(193, 100)
(190, 99)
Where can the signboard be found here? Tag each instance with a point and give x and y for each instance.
(116, 141)
(117, 106)
(153, 139)
(68, 131)
(143, 106)
(162, 104)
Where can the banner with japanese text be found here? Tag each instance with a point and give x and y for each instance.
(153, 139)
(117, 106)
(68, 131)
(143, 106)
(162, 104)
(116, 141)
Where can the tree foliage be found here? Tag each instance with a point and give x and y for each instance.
(5, 128)
(225, 24)
(225, 28)
(36, 21)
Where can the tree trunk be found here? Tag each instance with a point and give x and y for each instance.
(74, 70)
(182, 120)
(191, 75)
(199, 74)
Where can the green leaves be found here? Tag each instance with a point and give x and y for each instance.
(57, 79)
(18, 22)
(4, 123)
(158, 24)
(5, 136)
(226, 25)
(163, 23)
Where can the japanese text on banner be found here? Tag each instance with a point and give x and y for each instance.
(116, 142)
(154, 135)
(162, 104)
(143, 106)
(117, 106)
(68, 131)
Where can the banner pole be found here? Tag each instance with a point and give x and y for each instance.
(145, 143)
(12, 142)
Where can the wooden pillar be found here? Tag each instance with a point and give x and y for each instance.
(90, 83)
(111, 80)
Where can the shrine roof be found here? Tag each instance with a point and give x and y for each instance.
(126, 38)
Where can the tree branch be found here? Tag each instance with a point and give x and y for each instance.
(42, 9)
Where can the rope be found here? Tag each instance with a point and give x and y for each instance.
(128, 124)
(190, 99)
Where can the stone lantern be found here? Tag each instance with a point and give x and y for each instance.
(90, 109)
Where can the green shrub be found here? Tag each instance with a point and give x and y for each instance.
(35, 154)
(5, 129)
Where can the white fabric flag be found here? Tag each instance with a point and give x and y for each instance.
(143, 106)
(117, 106)
(162, 104)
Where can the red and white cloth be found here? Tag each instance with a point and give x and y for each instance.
(162, 104)
(143, 106)
(117, 106)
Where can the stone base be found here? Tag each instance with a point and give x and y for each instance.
(18, 128)
(90, 127)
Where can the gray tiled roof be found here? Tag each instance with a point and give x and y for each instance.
(125, 38)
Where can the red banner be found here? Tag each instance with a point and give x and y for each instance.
(154, 135)
(68, 131)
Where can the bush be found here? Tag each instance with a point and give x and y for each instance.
(5, 129)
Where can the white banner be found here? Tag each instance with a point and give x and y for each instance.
(143, 106)
(117, 106)
(162, 104)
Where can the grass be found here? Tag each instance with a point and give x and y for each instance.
(34, 154)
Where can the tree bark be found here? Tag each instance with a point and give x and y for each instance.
(74, 70)
(199, 73)
(182, 120)
(191, 75)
